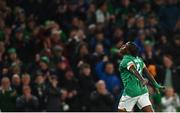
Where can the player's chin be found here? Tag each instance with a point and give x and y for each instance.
(122, 52)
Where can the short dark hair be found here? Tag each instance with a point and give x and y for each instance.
(83, 66)
(107, 63)
(54, 77)
(168, 56)
(133, 48)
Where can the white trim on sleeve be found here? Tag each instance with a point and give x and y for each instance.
(144, 65)
(129, 64)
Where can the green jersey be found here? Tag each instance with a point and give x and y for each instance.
(132, 86)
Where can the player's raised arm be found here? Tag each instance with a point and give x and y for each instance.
(151, 79)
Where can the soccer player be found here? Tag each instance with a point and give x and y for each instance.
(132, 69)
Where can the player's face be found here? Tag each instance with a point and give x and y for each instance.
(131, 48)
(123, 49)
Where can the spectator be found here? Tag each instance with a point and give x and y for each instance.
(26, 80)
(70, 84)
(146, 9)
(140, 41)
(168, 15)
(7, 96)
(83, 54)
(18, 42)
(44, 65)
(102, 15)
(149, 54)
(99, 53)
(118, 35)
(55, 36)
(27, 102)
(61, 68)
(100, 38)
(5, 71)
(101, 99)
(16, 84)
(140, 23)
(13, 58)
(39, 90)
(177, 27)
(15, 68)
(86, 84)
(163, 46)
(53, 95)
(170, 101)
(77, 37)
(58, 54)
(105, 71)
(174, 48)
(152, 27)
(122, 12)
(168, 74)
(91, 17)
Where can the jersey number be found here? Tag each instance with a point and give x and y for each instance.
(138, 66)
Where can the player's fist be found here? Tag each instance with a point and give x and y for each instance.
(159, 88)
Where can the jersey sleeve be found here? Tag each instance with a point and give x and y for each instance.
(127, 63)
(143, 64)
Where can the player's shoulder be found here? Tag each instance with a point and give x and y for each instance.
(140, 58)
(126, 59)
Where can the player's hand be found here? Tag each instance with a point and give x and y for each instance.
(159, 88)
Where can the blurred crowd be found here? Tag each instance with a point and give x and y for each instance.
(62, 55)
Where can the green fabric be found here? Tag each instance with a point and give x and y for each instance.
(11, 50)
(132, 86)
(111, 9)
(168, 78)
(45, 59)
(114, 50)
(7, 100)
(40, 86)
(156, 85)
(63, 37)
(26, 34)
(156, 101)
(157, 98)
